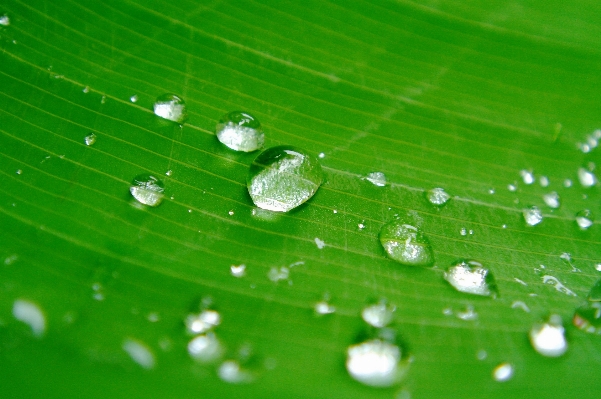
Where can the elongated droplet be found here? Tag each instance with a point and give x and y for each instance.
(548, 338)
(31, 314)
(503, 372)
(406, 244)
(376, 363)
(230, 371)
(139, 353)
(171, 107)
(240, 131)
(552, 200)
(588, 318)
(532, 215)
(147, 189)
(282, 178)
(437, 196)
(377, 179)
(472, 278)
(584, 219)
(586, 178)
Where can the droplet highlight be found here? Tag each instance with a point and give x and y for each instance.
(406, 244)
(171, 107)
(552, 200)
(240, 131)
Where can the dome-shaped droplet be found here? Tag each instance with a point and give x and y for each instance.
(4, 20)
(552, 200)
(406, 244)
(378, 314)
(586, 177)
(584, 219)
(90, 139)
(532, 215)
(472, 278)
(548, 338)
(282, 178)
(171, 107)
(240, 131)
(527, 176)
(503, 372)
(437, 196)
(147, 189)
(205, 348)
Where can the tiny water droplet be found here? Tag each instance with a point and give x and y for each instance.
(503, 372)
(463, 231)
(584, 219)
(171, 107)
(240, 131)
(588, 318)
(86, 90)
(471, 277)
(552, 199)
(512, 187)
(567, 183)
(31, 314)
(491, 191)
(598, 267)
(586, 177)
(406, 244)
(548, 338)
(376, 363)
(139, 353)
(238, 271)
(169, 172)
(102, 99)
(282, 178)
(376, 178)
(378, 314)
(199, 323)
(205, 348)
(334, 211)
(527, 176)
(4, 20)
(147, 189)
(543, 181)
(90, 139)
(532, 215)
(321, 155)
(323, 308)
(437, 196)
(133, 98)
(469, 314)
(361, 226)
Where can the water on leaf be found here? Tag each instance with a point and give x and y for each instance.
(139, 353)
(199, 323)
(503, 372)
(532, 215)
(240, 131)
(90, 139)
(512, 187)
(377, 362)
(437, 196)
(282, 178)
(205, 348)
(527, 176)
(543, 181)
(376, 178)
(406, 244)
(276, 274)
(133, 98)
(4, 20)
(552, 200)
(171, 107)
(584, 219)
(238, 271)
(323, 308)
(548, 338)
(31, 314)
(147, 189)
(471, 277)
(588, 318)
(230, 371)
(320, 243)
(558, 285)
(567, 183)
(595, 293)
(586, 177)
(378, 314)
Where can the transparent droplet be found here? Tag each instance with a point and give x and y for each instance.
(320, 244)
(471, 277)
(377, 179)
(532, 215)
(361, 226)
(240, 131)
(90, 139)
(503, 372)
(205, 348)
(595, 293)
(552, 199)
(548, 338)
(463, 231)
(230, 371)
(134, 99)
(31, 314)
(4, 20)
(238, 271)
(406, 244)
(139, 353)
(543, 181)
(598, 267)
(512, 187)
(169, 172)
(588, 318)
(567, 183)
(437, 196)
(282, 178)
(171, 107)
(378, 314)
(586, 177)
(321, 155)
(231, 212)
(376, 363)
(147, 189)
(584, 219)
(199, 323)
(527, 176)
(323, 308)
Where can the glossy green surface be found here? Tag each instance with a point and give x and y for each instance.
(454, 94)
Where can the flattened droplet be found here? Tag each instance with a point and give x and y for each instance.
(584, 219)
(240, 131)
(406, 244)
(471, 277)
(586, 177)
(90, 139)
(378, 314)
(199, 323)
(437, 196)
(377, 179)
(139, 353)
(552, 200)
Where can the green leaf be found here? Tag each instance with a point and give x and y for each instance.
(458, 95)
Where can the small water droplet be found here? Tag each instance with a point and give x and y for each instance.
(567, 183)
(503, 372)
(102, 99)
(133, 98)
(276, 274)
(18, 171)
(548, 338)
(171, 107)
(205, 348)
(588, 318)
(376, 178)
(361, 226)
(169, 172)
(323, 308)
(320, 244)
(376, 363)
(584, 219)
(543, 181)
(527, 176)
(321, 155)
(153, 317)
(437, 196)
(147, 189)
(463, 231)
(199, 323)
(481, 355)
(406, 244)
(86, 90)
(532, 215)
(334, 211)
(230, 371)
(238, 271)
(231, 212)
(378, 314)
(552, 199)
(139, 353)
(512, 187)
(282, 178)
(471, 277)
(90, 139)
(491, 191)
(4, 20)
(586, 177)
(598, 267)
(240, 131)
(31, 314)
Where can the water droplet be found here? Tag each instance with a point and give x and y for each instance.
(169, 172)
(468, 314)
(377, 179)
(4, 20)
(276, 274)
(102, 99)
(133, 98)
(199, 323)
(584, 219)
(543, 181)
(527, 176)
(139, 353)
(320, 244)
(147, 189)
(282, 178)
(205, 348)
(598, 267)
(376, 363)
(437, 196)
(378, 314)
(230, 371)
(323, 308)
(588, 318)
(481, 355)
(98, 292)
(472, 278)
(491, 191)
(153, 317)
(586, 178)
(595, 293)
(31, 314)
(567, 183)
(552, 200)
(361, 226)
(18, 171)
(9, 260)
(171, 107)
(548, 338)
(231, 212)
(240, 131)
(238, 271)
(463, 231)
(532, 215)
(512, 187)
(90, 139)
(86, 90)
(334, 211)
(321, 155)
(503, 372)
(521, 305)
(406, 244)
(558, 286)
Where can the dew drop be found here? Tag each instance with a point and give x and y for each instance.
(378, 314)
(567, 183)
(323, 308)
(437, 196)
(491, 191)
(231, 212)
(463, 231)
(503, 372)
(406, 244)
(276, 274)
(532, 215)
(238, 271)
(139, 353)
(552, 200)
(147, 189)
(90, 139)
(376, 178)
(598, 267)
(240, 131)
(512, 187)
(205, 348)
(481, 354)
(361, 226)
(584, 219)
(31, 314)
(169, 172)
(376, 363)
(321, 155)
(171, 107)
(199, 323)
(588, 318)
(18, 171)
(586, 178)
(320, 244)
(85, 90)
(133, 98)
(230, 371)
(548, 338)
(471, 277)
(4, 20)
(543, 181)
(527, 176)
(282, 178)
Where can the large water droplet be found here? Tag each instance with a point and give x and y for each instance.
(31, 314)
(586, 177)
(147, 189)
(171, 107)
(588, 318)
(437, 196)
(282, 178)
(532, 215)
(199, 323)
(377, 179)
(472, 278)
(584, 219)
(240, 131)
(205, 348)
(548, 338)
(406, 244)
(378, 314)
(552, 200)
